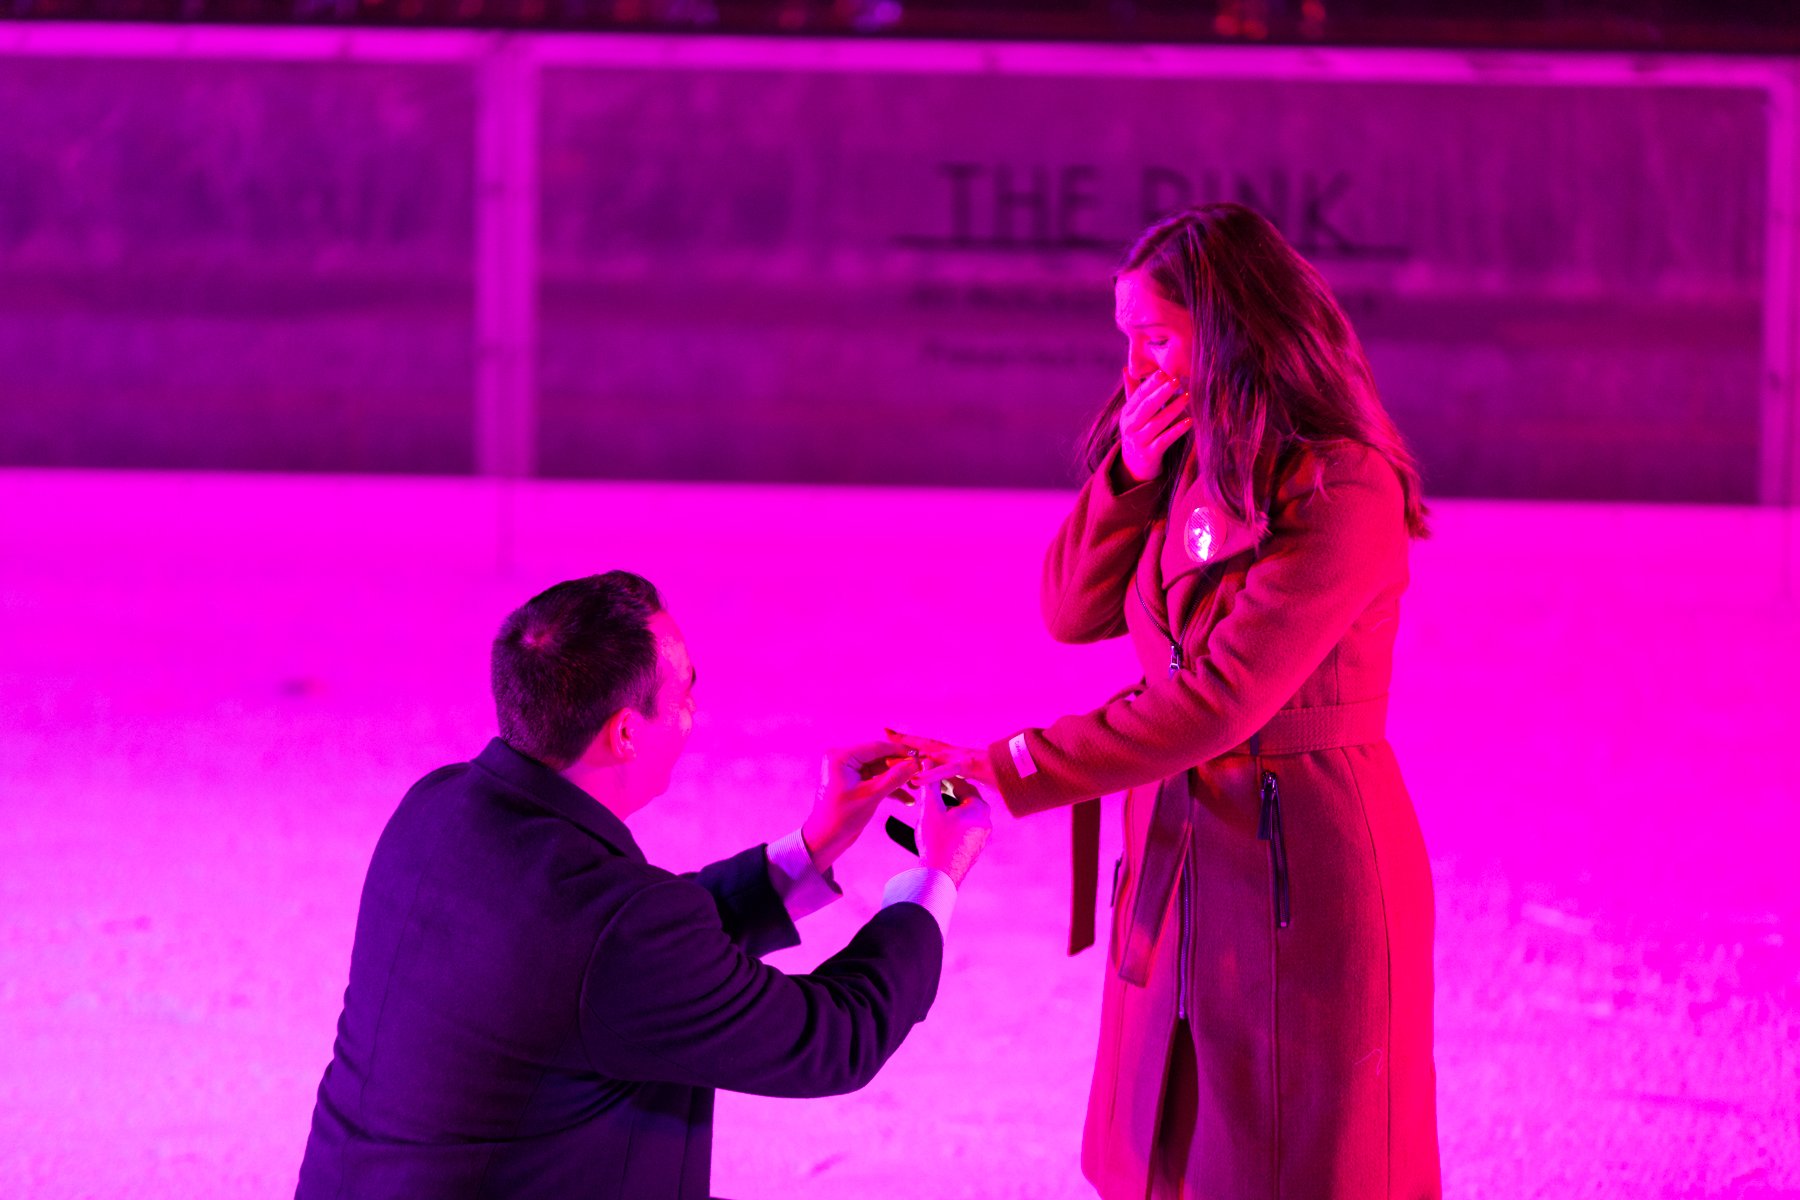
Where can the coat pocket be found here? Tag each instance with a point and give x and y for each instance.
(1123, 878)
(1269, 830)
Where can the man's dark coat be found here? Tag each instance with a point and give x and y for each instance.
(535, 1010)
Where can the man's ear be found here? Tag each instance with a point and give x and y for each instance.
(619, 735)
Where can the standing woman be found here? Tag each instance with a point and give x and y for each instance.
(1266, 1024)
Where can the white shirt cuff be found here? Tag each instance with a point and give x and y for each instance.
(803, 890)
(927, 887)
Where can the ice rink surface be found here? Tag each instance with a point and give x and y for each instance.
(214, 689)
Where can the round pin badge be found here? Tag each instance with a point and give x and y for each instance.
(1199, 538)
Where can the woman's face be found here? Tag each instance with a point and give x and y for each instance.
(1159, 335)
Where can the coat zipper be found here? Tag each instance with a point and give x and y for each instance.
(1269, 830)
(1186, 903)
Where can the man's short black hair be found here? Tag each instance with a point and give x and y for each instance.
(569, 658)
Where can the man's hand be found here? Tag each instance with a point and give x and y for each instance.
(950, 839)
(854, 782)
(956, 760)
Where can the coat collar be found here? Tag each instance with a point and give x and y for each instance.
(549, 790)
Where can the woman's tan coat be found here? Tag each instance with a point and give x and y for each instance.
(1312, 1042)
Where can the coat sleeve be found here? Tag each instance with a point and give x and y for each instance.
(751, 912)
(669, 998)
(1089, 565)
(1337, 538)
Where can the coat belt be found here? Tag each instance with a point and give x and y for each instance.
(1290, 731)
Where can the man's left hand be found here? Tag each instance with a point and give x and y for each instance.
(855, 781)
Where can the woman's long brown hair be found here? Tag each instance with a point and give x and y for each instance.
(1276, 364)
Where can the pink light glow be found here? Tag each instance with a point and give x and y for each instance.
(215, 689)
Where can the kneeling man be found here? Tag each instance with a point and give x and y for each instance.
(536, 1010)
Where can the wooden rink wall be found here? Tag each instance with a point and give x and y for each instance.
(858, 261)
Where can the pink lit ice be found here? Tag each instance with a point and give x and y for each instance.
(213, 690)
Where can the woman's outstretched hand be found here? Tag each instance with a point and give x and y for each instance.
(1154, 417)
(944, 759)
